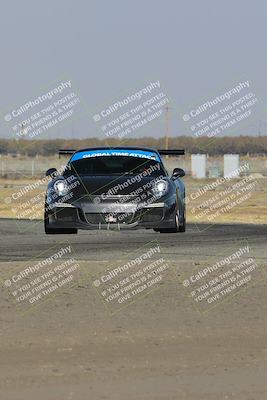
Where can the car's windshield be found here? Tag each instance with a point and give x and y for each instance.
(116, 165)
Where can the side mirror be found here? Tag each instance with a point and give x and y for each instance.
(51, 172)
(178, 173)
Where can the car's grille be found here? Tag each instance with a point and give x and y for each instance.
(111, 218)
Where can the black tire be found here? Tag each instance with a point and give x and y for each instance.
(169, 230)
(180, 226)
(182, 222)
(58, 231)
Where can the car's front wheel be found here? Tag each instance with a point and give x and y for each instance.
(57, 231)
(179, 224)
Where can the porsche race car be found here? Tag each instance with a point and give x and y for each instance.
(115, 188)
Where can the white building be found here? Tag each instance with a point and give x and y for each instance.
(198, 165)
(231, 165)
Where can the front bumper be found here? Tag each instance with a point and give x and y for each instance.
(92, 216)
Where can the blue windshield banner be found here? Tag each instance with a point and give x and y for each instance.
(150, 155)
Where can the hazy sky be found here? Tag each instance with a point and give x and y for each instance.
(110, 49)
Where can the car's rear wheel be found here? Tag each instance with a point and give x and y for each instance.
(57, 231)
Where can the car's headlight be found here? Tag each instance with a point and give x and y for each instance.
(61, 187)
(160, 188)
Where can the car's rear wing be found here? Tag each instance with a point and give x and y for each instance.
(66, 152)
(171, 152)
(162, 152)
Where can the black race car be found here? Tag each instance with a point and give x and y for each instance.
(115, 188)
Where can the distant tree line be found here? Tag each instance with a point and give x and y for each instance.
(213, 146)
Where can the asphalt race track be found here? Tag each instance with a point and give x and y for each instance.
(22, 240)
(159, 347)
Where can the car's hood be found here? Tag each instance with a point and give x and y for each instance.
(113, 185)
